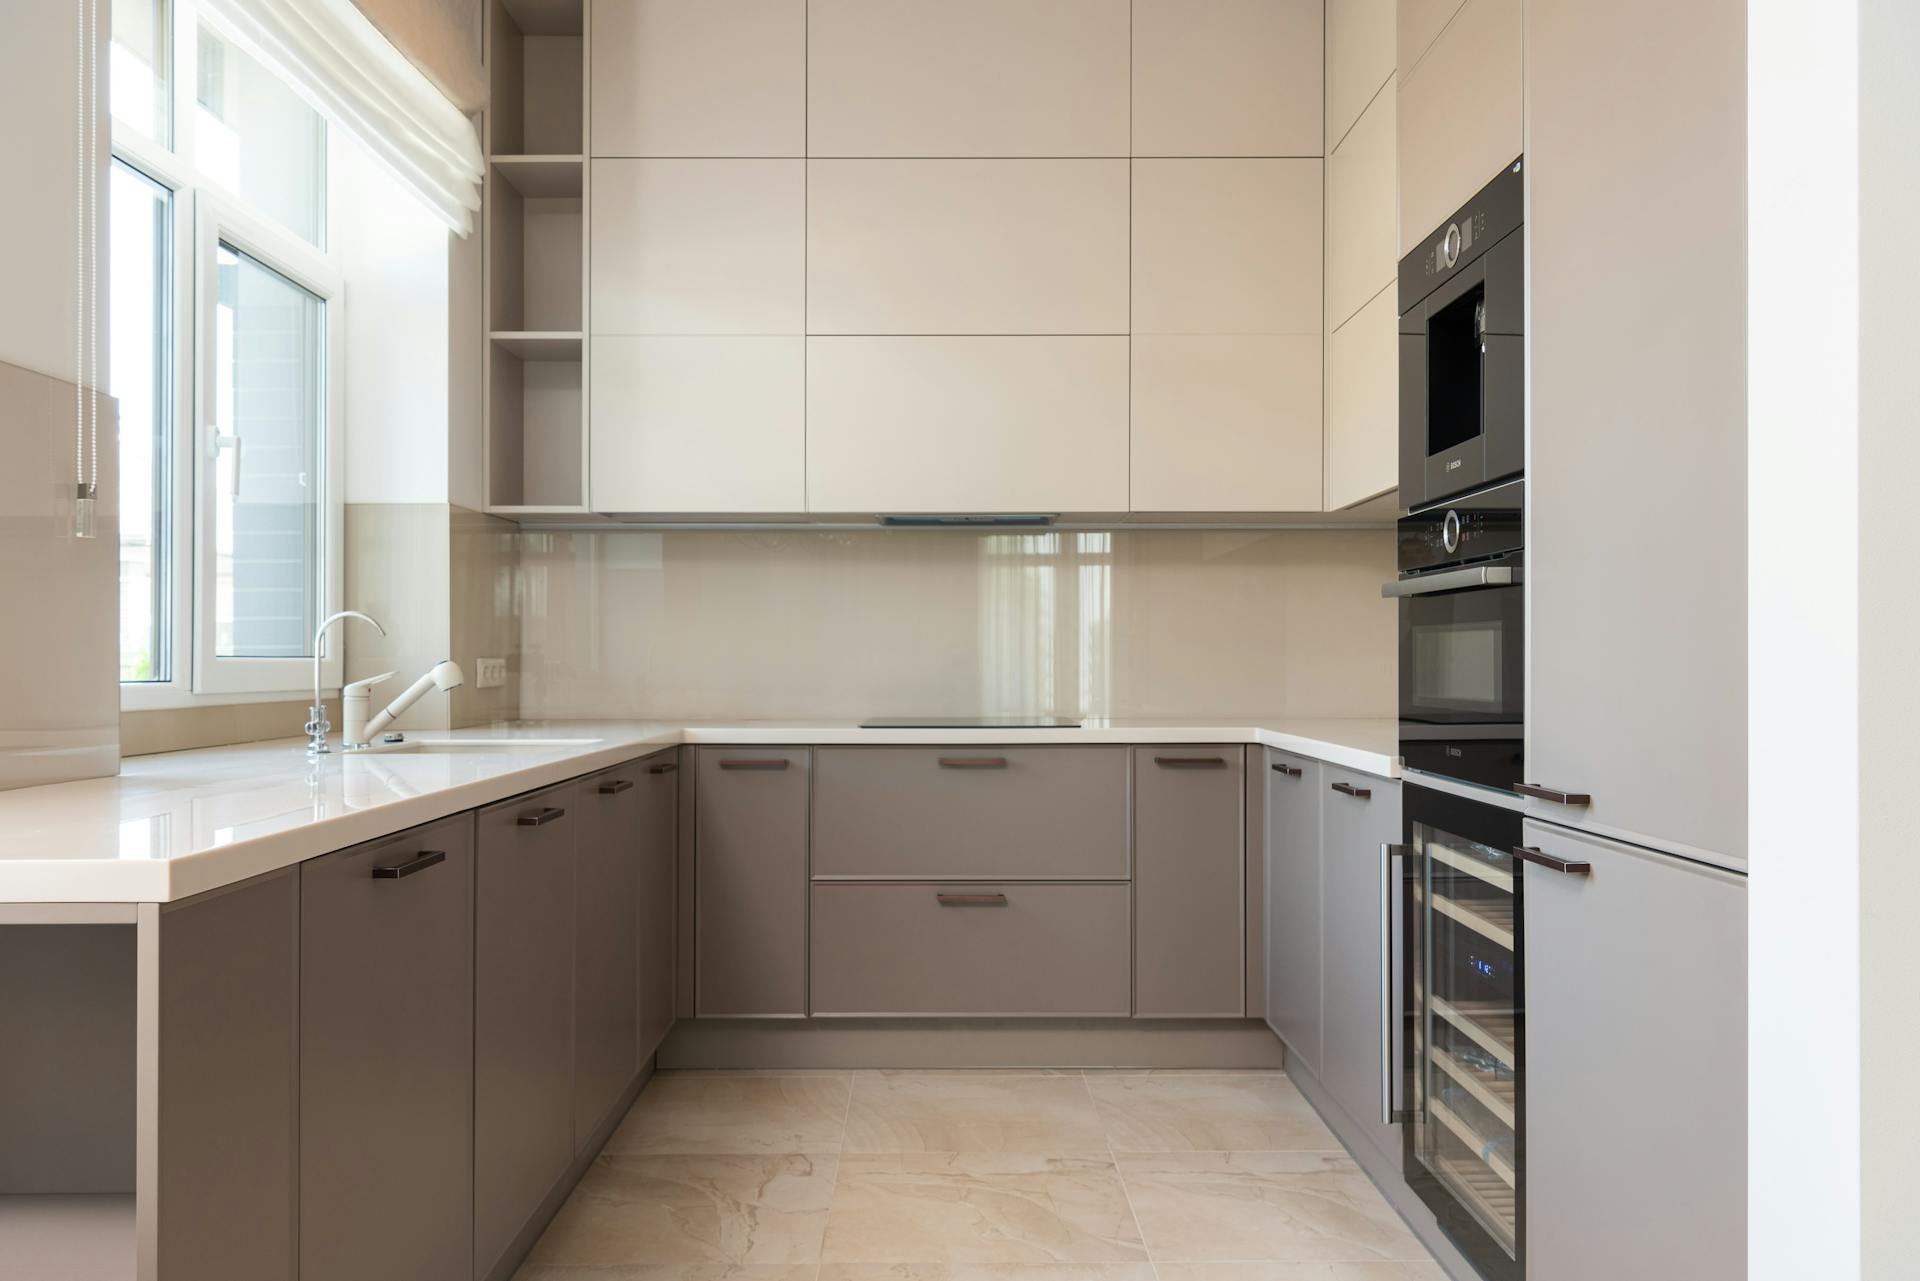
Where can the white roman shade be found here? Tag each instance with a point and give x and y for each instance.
(338, 60)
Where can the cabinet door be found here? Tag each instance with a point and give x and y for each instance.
(1294, 788)
(658, 907)
(522, 1012)
(386, 1058)
(1360, 813)
(751, 900)
(1460, 114)
(1624, 633)
(1188, 879)
(1636, 978)
(605, 946)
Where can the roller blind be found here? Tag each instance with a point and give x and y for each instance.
(334, 56)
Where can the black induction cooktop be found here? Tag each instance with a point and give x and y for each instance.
(969, 722)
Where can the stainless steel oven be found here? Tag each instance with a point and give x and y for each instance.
(1463, 636)
(1462, 363)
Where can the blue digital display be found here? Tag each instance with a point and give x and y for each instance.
(1479, 966)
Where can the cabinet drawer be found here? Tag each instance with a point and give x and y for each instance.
(934, 813)
(1006, 948)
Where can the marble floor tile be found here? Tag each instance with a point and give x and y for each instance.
(992, 1112)
(670, 1272)
(698, 1113)
(1208, 1113)
(987, 1272)
(743, 1209)
(1298, 1207)
(979, 1208)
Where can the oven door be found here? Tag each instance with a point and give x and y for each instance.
(1463, 674)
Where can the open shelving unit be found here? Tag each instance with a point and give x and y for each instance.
(536, 257)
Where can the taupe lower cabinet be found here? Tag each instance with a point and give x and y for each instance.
(523, 1012)
(606, 965)
(1294, 798)
(1189, 878)
(386, 1058)
(1359, 814)
(654, 932)
(750, 929)
(1636, 1064)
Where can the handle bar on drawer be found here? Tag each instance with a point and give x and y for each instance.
(973, 762)
(1348, 789)
(418, 863)
(616, 786)
(1190, 762)
(756, 762)
(971, 900)
(1553, 794)
(541, 817)
(1552, 862)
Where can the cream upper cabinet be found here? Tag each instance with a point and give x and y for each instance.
(1001, 424)
(1226, 348)
(1227, 77)
(1417, 23)
(699, 78)
(1360, 45)
(980, 78)
(1459, 114)
(1636, 475)
(1363, 404)
(1362, 212)
(967, 247)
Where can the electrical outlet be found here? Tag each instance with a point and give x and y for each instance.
(489, 673)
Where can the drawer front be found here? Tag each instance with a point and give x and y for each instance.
(955, 813)
(1189, 881)
(927, 949)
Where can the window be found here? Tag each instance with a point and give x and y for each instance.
(224, 312)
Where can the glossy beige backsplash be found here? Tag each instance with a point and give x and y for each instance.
(848, 624)
(59, 660)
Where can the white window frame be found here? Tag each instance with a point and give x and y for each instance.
(203, 213)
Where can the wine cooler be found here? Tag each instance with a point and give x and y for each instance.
(1456, 1022)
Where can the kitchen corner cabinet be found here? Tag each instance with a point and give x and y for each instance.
(523, 1012)
(606, 965)
(656, 934)
(1188, 880)
(386, 1058)
(1359, 814)
(1293, 800)
(1636, 1064)
(1638, 640)
(751, 895)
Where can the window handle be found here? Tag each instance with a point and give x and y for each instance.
(219, 440)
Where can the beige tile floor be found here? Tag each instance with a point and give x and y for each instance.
(975, 1176)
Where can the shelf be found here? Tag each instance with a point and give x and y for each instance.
(542, 177)
(1497, 1094)
(1492, 1202)
(1488, 1024)
(552, 344)
(1492, 919)
(1461, 861)
(1474, 1142)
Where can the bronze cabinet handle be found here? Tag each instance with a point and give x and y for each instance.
(1290, 771)
(973, 762)
(1552, 862)
(1190, 762)
(616, 787)
(541, 817)
(418, 863)
(667, 768)
(757, 762)
(1553, 794)
(971, 900)
(1361, 793)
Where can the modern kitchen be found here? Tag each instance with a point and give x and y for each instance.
(956, 640)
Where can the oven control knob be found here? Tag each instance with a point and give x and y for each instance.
(1450, 245)
(1450, 531)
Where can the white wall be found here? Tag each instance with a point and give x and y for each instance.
(393, 255)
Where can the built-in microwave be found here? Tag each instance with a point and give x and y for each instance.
(1462, 363)
(1462, 593)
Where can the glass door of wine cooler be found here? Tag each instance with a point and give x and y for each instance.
(1464, 1060)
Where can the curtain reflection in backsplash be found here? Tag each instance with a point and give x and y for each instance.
(1045, 602)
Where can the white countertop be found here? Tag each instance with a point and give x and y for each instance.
(180, 823)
